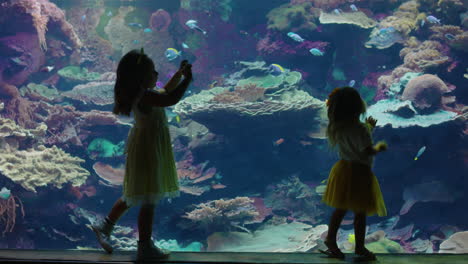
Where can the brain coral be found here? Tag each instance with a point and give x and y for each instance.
(425, 92)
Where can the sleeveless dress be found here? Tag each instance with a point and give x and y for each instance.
(150, 169)
(351, 183)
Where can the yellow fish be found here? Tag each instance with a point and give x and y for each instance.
(351, 238)
(177, 118)
(324, 181)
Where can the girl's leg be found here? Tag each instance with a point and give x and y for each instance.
(119, 208)
(335, 222)
(360, 231)
(145, 222)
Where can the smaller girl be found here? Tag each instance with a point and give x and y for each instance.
(351, 183)
(150, 169)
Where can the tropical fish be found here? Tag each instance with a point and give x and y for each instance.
(136, 41)
(177, 118)
(185, 46)
(423, 22)
(83, 18)
(147, 30)
(295, 37)
(420, 152)
(276, 69)
(351, 83)
(192, 24)
(337, 11)
(351, 238)
(138, 25)
(353, 7)
(316, 52)
(433, 20)
(278, 142)
(172, 54)
(5, 193)
(449, 36)
(47, 68)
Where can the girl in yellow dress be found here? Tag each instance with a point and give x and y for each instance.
(351, 183)
(150, 170)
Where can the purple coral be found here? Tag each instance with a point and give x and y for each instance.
(160, 20)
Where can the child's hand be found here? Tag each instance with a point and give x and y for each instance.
(381, 146)
(371, 121)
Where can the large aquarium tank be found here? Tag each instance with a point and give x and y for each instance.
(249, 134)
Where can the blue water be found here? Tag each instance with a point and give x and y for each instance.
(248, 135)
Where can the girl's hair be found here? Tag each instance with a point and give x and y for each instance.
(344, 107)
(132, 71)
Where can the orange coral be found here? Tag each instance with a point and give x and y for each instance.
(8, 212)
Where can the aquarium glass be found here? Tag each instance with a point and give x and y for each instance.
(249, 135)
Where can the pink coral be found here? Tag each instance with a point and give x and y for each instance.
(425, 92)
(160, 20)
(112, 177)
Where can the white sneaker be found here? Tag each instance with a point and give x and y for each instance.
(147, 250)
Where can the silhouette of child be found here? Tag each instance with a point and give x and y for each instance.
(150, 170)
(351, 183)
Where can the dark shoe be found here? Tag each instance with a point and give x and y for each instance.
(333, 251)
(103, 229)
(103, 239)
(366, 255)
(147, 251)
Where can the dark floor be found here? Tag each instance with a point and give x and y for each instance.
(81, 256)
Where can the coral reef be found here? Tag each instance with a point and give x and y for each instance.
(456, 243)
(124, 39)
(293, 17)
(282, 100)
(192, 177)
(19, 137)
(41, 12)
(8, 208)
(359, 19)
(42, 166)
(221, 8)
(97, 93)
(109, 176)
(429, 55)
(294, 199)
(425, 92)
(454, 36)
(160, 20)
(401, 24)
(89, 25)
(388, 113)
(223, 215)
(21, 57)
(285, 237)
(103, 148)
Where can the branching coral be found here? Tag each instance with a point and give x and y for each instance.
(8, 212)
(42, 166)
(295, 199)
(223, 215)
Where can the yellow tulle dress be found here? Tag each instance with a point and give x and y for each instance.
(351, 183)
(150, 169)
